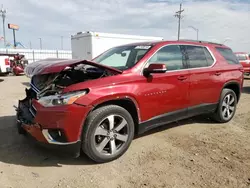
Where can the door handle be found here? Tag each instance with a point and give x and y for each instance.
(182, 78)
(218, 73)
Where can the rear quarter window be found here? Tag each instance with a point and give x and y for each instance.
(228, 55)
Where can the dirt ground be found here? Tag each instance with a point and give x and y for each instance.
(191, 153)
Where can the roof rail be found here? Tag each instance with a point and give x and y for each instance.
(201, 41)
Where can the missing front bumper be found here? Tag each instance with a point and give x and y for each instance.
(26, 125)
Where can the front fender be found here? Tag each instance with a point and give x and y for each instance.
(97, 97)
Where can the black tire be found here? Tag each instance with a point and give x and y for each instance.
(4, 74)
(20, 129)
(219, 115)
(96, 119)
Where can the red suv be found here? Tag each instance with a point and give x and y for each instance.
(98, 106)
(244, 59)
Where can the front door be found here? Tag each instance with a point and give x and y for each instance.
(164, 96)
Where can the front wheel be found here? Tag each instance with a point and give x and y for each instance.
(107, 133)
(227, 106)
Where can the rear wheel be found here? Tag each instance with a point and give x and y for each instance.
(227, 106)
(107, 133)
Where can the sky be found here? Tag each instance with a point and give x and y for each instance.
(217, 20)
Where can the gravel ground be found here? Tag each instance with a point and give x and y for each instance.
(191, 153)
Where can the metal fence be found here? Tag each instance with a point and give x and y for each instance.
(35, 55)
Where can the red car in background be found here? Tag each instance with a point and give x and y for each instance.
(244, 59)
(16, 63)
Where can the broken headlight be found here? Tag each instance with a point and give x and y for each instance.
(64, 99)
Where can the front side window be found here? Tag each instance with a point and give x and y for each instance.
(198, 56)
(122, 57)
(170, 55)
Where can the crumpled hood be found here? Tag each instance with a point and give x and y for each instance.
(55, 65)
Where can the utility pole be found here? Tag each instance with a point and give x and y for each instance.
(30, 45)
(61, 42)
(40, 43)
(179, 16)
(3, 15)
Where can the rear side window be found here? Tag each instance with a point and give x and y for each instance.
(228, 55)
(198, 56)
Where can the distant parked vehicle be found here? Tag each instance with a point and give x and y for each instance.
(244, 59)
(16, 63)
(4, 64)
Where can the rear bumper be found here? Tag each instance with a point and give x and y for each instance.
(54, 127)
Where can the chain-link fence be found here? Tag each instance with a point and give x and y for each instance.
(35, 55)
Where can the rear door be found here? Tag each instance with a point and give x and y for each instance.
(205, 79)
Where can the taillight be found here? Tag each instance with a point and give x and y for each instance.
(7, 61)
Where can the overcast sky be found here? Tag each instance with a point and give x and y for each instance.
(216, 20)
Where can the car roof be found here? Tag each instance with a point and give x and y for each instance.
(182, 41)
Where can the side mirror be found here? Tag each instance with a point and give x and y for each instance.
(155, 68)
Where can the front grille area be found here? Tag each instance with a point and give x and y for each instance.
(24, 112)
(34, 88)
(32, 110)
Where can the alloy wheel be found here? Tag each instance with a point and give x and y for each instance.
(228, 106)
(111, 135)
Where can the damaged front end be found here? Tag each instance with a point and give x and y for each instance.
(25, 112)
(54, 125)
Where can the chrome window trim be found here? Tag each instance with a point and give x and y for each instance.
(215, 60)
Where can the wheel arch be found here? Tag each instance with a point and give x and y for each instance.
(126, 102)
(235, 86)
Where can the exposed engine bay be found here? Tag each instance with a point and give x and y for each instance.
(54, 83)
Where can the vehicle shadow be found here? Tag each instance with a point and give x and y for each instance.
(1, 80)
(26, 84)
(19, 150)
(202, 119)
(246, 78)
(4, 74)
(246, 89)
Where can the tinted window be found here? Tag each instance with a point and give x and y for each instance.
(169, 55)
(210, 59)
(198, 56)
(228, 55)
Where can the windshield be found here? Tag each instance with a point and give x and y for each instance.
(122, 57)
